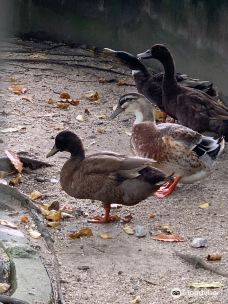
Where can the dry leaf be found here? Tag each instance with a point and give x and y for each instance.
(54, 216)
(34, 233)
(137, 300)
(75, 102)
(35, 195)
(159, 115)
(44, 209)
(92, 96)
(17, 89)
(8, 224)
(165, 228)
(24, 219)
(204, 205)
(16, 180)
(127, 218)
(3, 181)
(14, 160)
(80, 117)
(128, 229)
(9, 130)
(53, 224)
(4, 287)
(27, 98)
(64, 95)
(206, 285)
(51, 101)
(122, 83)
(105, 236)
(81, 233)
(214, 257)
(54, 206)
(152, 215)
(168, 237)
(66, 215)
(63, 105)
(101, 130)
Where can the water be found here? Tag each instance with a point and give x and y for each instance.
(194, 30)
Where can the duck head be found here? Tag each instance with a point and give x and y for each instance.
(69, 142)
(137, 104)
(158, 51)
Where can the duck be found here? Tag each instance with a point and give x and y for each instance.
(105, 176)
(188, 154)
(150, 84)
(190, 107)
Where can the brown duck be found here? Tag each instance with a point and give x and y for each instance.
(175, 148)
(192, 108)
(105, 176)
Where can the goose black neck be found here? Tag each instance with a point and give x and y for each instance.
(132, 62)
(169, 67)
(76, 149)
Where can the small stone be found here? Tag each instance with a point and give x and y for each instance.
(140, 231)
(84, 267)
(54, 180)
(120, 272)
(40, 179)
(136, 300)
(199, 242)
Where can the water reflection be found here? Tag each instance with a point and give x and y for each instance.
(195, 30)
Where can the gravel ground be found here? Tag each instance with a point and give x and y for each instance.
(124, 268)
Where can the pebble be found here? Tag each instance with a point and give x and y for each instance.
(54, 180)
(140, 231)
(84, 267)
(199, 242)
(40, 179)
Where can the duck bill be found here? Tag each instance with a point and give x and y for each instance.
(53, 151)
(146, 55)
(116, 112)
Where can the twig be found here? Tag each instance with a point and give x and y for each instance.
(198, 262)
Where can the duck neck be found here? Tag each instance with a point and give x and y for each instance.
(144, 113)
(169, 67)
(76, 149)
(137, 66)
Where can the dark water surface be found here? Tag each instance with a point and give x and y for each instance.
(196, 31)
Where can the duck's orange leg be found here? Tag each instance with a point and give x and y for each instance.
(107, 218)
(168, 188)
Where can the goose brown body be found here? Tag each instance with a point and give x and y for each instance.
(192, 108)
(106, 176)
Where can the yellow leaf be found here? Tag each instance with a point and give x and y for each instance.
(51, 101)
(105, 236)
(204, 205)
(17, 89)
(34, 233)
(16, 180)
(63, 105)
(214, 257)
(4, 287)
(53, 224)
(128, 229)
(54, 216)
(207, 285)
(81, 233)
(64, 95)
(92, 96)
(35, 195)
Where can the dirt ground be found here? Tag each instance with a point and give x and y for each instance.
(125, 268)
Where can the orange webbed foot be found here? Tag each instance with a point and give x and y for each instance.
(168, 188)
(107, 218)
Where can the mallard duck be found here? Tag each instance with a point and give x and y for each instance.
(150, 84)
(192, 108)
(106, 176)
(175, 148)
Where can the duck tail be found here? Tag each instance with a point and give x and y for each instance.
(225, 129)
(210, 147)
(219, 148)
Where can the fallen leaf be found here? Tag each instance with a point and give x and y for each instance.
(81, 233)
(8, 224)
(15, 160)
(51, 101)
(204, 205)
(54, 216)
(136, 300)
(105, 236)
(15, 129)
(122, 83)
(152, 215)
(159, 115)
(75, 102)
(35, 195)
(168, 237)
(24, 219)
(4, 287)
(66, 215)
(64, 95)
(128, 229)
(3, 181)
(54, 206)
(34, 233)
(127, 218)
(102, 80)
(102, 116)
(17, 89)
(101, 130)
(206, 285)
(53, 224)
(16, 180)
(92, 96)
(214, 257)
(27, 98)
(80, 117)
(63, 105)
(165, 228)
